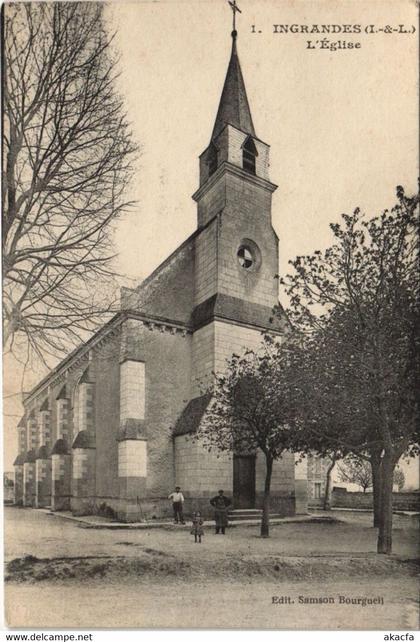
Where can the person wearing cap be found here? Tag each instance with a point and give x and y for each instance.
(178, 505)
(220, 504)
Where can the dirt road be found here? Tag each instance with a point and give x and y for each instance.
(213, 604)
(125, 579)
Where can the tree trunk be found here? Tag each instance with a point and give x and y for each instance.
(265, 521)
(376, 463)
(327, 505)
(385, 518)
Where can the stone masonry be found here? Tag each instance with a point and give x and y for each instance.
(111, 429)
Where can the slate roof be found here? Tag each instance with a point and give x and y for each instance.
(43, 452)
(63, 393)
(191, 416)
(234, 309)
(84, 440)
(30, 457)
(60, 447)
(234, 107)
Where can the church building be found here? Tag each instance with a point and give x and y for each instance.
(110, 427)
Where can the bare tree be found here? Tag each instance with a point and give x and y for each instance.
(356, 471)
(67, 162)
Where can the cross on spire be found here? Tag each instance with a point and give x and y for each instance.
(233, 107)
(234, 8)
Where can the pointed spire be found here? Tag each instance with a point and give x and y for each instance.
(234, 108)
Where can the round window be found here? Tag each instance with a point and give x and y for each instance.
(248, 255)
(245, 257)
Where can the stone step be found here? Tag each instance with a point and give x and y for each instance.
(244, 513)
(248, 513)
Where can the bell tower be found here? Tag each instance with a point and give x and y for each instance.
(237, 250)
(235, 285)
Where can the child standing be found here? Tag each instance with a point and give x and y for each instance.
(197, 527)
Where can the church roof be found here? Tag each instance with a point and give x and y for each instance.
(191, 416)
(234, 107)
(22, 422)
(20, 460)
(63, 393)
(30, 457)
(43, 452)
(235, 309)
(84, 439)
(60, 447)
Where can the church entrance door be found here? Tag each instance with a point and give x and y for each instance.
(244, 481)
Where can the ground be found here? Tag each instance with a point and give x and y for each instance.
(62, 575)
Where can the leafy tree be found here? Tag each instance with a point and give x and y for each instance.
(67, 162)
(356, 310)
(247, 414)
(356, 471)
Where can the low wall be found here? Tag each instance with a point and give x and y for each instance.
(341, 498)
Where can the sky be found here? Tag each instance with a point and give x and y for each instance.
(342, 125)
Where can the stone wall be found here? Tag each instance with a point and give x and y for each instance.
(202, 358)
(231, 338)
(29, 494)
(61, 481)
(341, 498)
(236, 140)
(212, 202)
(201, 474)
(18, 485)
(206, 263)
(168, 292)
(43, 482)
(107, 419)
(22, 438)
(247, 215)
(213, 344)
(166, 355)
(229, 147)
(317, 478)
(32, 435)
(62, 421)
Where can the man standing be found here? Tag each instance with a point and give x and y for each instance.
(177, 504)
(221, 504)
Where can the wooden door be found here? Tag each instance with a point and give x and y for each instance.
(244, 481)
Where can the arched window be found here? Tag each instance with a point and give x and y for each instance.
(82, 404)
(249, 154)
(62, 414)
(212, 159)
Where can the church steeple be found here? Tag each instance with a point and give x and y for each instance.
(234, 147)
(234, 107)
